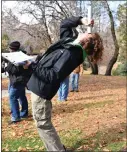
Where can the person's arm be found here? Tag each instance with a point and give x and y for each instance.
(47, 74)
(12, 69)
(3, 67)
(54, 73)
(32, 65)
(81, 69)
(68, 26)
(51, 74)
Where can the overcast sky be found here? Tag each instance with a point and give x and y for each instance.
(25, 18)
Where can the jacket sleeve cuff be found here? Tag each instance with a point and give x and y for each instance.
(80, 21)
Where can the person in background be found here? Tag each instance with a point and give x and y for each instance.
(64, 86)
(63, 90)
(74, 78)
(60, 59)
(18, 77)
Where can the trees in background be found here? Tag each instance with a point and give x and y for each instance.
(116, 52)
(43, 28)
(122, 39)
(122, 31)
(5, 42)
(8, 23)
(46, 15)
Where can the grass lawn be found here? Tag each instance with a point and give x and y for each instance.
(94, 119)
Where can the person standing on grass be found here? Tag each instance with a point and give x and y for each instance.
(18, 77)
(74, 78)
(54, 66)
(64, 86)
(63, 90)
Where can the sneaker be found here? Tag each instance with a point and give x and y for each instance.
(23, 118)
(68, 149)
(13, 122)
(62, 100)
(71, 90)
(76, 90)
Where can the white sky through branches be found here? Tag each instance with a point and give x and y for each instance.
(26, 19)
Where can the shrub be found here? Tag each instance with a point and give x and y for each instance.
(120, 70)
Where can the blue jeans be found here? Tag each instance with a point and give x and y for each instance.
(74, 81)
(15, 94)
(63, 90)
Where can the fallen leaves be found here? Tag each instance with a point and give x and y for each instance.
(4, 84)
(105, 149)
(90, 109)
(21, 149)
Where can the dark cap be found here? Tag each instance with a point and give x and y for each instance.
(14, 45)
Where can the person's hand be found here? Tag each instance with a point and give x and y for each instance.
(91, 23)
(84, 21)
(26, 65)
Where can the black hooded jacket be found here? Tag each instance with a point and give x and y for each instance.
(17, 74)
(57, 63)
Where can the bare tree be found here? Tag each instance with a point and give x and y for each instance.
(116, 53)
(47, 16)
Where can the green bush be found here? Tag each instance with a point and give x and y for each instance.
(120, 70)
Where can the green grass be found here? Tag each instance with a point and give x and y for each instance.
(116, 146)
(34, 144)
(98, 104)
(111, 139)
(71, 137)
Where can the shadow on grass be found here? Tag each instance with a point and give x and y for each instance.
(94, 97)
(112, 139)
(78, 106)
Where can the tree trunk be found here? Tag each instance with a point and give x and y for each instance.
(94, 67)
(116, 53)
(110, 65)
